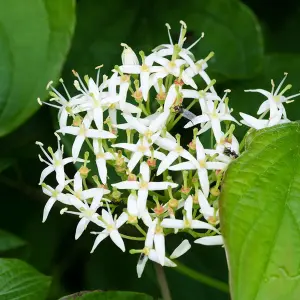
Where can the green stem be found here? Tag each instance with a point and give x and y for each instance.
(140, 229)
(132, 237)
(162, 282)
(215, 283)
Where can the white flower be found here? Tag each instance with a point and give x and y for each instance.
(149, 253)
(55, 195)
(101, 158)
(229, 144)
(143, 186)
(213, 112)
(82, 132)
(201, 165)
(274, 102)
(170, 49)
(155, 125)
(55, 163)
(111, 229)
(128, 56)
(210, 240)
(144, 70)
(65, 107)
(141, 148)
(116, 100)
(175, 151)
(187, 221)
(181, 249)
(86, 212)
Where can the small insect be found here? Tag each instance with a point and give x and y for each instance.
(230, 153)
(141, 256)
(185, 113)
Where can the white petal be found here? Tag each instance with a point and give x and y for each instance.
(171, 157)
(142, 201)
(102, 170)
(203, 203)
(70, 130)
(145, 171)
(200, 150)
(77, 182)
(141, 265)
(45, 173)
(97, 134)
(150, 234)
(116, 238)
(121, 220)
(101, 236)
(181, 249)
(127, 146)
(135, 158)
(81, 227)
(47, 208)
(204, 182)
(77, 146)
(216, 165)
(145, 84)
(159, 243)
(130, 185)
(210, 240)
(188, 207)
(60, 175)
(196, 224)
(132, 205)
(98, 117)
(160, 186)
(265, 106)
(183, 166)
(253, 122)
(197, 120)
(261, 91)
(172, 223)
(154, 257)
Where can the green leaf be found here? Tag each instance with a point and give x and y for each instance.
(9, 241)
(35, 36)
(18, 280)
(231, 31)
(260, 220)
(108, 296)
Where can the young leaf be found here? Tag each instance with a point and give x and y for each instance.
(260, 220)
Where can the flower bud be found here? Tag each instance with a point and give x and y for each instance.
(128, 56)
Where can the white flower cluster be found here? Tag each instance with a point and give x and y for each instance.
(127, 121)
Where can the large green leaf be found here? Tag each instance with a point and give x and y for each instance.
(112, 295)
(20, 281)
(9, 241)
(35, 36)
(260, 216)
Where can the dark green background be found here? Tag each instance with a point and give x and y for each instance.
(100, 29)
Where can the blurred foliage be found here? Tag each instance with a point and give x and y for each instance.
(252, 43)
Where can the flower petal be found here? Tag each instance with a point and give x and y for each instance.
(101, 236)
(181, 249)
(117, 239)
(210, 240)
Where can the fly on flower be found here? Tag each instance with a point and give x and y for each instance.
(184, 112)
